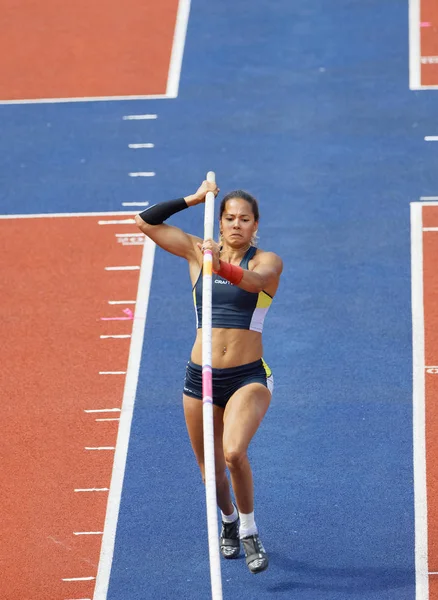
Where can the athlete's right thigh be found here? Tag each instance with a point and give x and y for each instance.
(194, 423)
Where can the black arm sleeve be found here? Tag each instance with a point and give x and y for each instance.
(158, 213)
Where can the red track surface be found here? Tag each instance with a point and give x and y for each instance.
(54, 291)
(429, 42)
(85, 49)
(430, 253)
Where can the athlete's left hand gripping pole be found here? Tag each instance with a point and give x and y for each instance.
(207, 402)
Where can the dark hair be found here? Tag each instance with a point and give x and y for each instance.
(244, 196)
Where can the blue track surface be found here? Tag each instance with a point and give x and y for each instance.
(307, 106)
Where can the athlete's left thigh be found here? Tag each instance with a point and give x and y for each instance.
(243, 414)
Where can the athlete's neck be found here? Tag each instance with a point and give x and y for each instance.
(233, 255)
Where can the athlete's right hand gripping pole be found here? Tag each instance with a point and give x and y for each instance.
(207, 402)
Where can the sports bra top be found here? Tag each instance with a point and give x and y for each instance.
(233, 307)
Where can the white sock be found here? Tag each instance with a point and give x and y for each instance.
(230, 518)
(247, 525)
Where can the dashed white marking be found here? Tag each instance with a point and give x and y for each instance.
(427, 198)
(431, 138)
(115, 222)
(121, 301)
(100, 448)
(112, 372)
(107, 419)
(78, 578)
(142, 174)
(118, 337)
(135, 203)
(429, 60)
(129, 235)
(140, 117)
(87, 532)
(430, 228)
(127, 268)
(91, 489)
(102, 410)
(137, 146)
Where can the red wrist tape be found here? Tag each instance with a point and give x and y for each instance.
(230, 272)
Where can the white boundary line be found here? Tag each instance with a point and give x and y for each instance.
(114, 496)
(84, 99)
(179, 39)
(414, 45)
(419, 416)
(83, 214)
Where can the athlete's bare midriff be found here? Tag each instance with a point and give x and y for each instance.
(230, 347)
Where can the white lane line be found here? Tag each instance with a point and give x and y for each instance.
(142, 174)
(176, 58)
(84, 99)
(78, 578)
(127, 268)
(429, 60)
(102, 410)
(427, 198)
(68, 215)
(135, 203)
(116, 337)
(121, 301)
(115, 222)
(107, 549)
(414, 45)
(419, 412)
(139, 117)
(107, 419)
(433, 572)
(91, 489)
(430, 228)
(137, 146)
(112, 372)
(100, 448)
(87, 532)
(431, 138)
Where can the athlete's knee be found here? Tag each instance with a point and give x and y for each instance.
(235, 458)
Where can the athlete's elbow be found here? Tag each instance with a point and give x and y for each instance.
(142, 225)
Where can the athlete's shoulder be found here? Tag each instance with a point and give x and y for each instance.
(264, 257)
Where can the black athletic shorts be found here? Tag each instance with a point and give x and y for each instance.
(227, 381)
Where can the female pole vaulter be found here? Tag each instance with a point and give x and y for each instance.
(245, 281)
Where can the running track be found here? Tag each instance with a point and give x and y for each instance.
(334, 458)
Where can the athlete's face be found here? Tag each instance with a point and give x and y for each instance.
(237, 224)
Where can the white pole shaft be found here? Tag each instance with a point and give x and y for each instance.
(207, 403)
